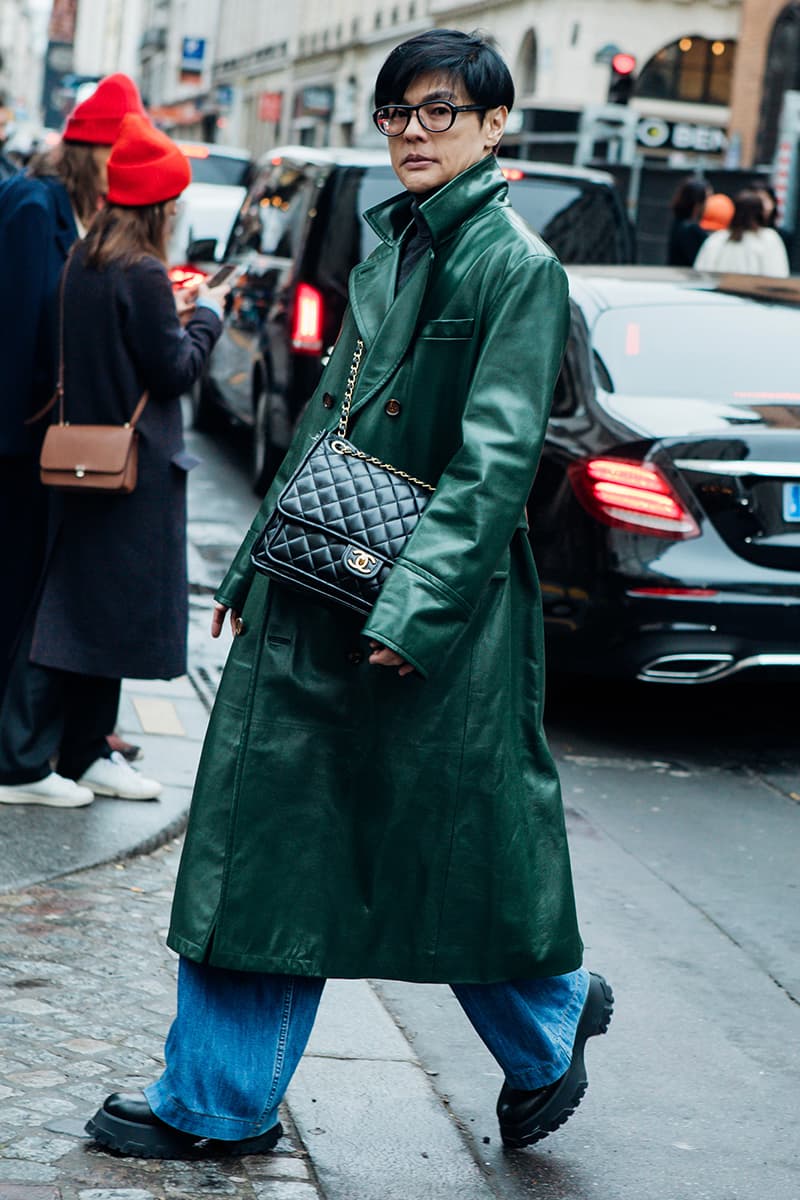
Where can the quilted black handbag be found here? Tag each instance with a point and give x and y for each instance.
(342, 518)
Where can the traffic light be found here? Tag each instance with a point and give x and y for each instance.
(620, 85)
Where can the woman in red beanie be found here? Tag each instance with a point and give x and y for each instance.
(41, 215)
(113, 601)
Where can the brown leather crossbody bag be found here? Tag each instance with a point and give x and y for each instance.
(99, 458)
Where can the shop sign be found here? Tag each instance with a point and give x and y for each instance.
(315, 102)
(193, 53)
(269, 106)
(654, 133)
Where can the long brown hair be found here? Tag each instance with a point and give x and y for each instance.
(75, 165)
(124, 235)
(748, 215)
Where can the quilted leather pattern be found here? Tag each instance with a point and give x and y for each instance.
(337, 519)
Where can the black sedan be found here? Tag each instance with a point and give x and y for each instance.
(665, 517)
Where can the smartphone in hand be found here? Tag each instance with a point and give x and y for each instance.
(227, 273)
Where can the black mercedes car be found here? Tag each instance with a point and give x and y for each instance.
(665, 516)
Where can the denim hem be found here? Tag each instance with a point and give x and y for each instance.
(543, 1074)
(223, 1129)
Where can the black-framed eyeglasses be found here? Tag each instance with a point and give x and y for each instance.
(437, 116)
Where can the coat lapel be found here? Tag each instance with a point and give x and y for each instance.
(385, 322)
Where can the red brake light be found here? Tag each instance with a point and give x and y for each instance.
(631, 495)
(186, 277)
(513, 174)
(307, 320)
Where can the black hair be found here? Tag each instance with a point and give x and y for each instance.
(467, 57)
(692, 193)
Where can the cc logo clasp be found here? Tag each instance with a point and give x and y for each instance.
(360, 562)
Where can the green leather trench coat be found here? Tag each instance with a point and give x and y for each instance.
(348, 822)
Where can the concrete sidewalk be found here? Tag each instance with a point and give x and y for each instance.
(87, 994)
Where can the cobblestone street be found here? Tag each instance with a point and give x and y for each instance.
(86, 997)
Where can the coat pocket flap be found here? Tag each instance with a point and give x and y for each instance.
(504, 566)
(460, 328)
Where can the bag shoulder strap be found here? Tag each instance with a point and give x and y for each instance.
(58, 394)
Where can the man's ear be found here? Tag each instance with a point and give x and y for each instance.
(494, 124)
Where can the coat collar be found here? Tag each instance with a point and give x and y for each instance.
(447, 209)
(387, 320)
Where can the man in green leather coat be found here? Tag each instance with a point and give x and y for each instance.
(377, 798)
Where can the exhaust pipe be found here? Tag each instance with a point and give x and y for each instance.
(708, 668)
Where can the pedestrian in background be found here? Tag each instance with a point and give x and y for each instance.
(685, 235)
(747, 247)
(377, 798)
(41, 215)
(717, 213)
(114, 596)
(769, 202)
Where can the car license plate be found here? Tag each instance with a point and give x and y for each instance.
(791, 502)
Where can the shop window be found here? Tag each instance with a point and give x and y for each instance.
(781, 74)
(694, 69)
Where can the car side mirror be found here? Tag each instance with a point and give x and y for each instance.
(202, 250)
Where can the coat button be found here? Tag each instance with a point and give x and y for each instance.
(355, 657)
(238, 627)
(392, 408)
(328, 400)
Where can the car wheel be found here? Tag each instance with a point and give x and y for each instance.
(266, 456)
(206, 414)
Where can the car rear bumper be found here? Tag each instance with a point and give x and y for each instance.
(680, 641)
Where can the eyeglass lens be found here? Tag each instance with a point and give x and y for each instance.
(436, 117)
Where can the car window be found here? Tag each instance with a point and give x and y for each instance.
(344, 237)
(218, 168)
(273, 215)
(581, 224)
(738, 352)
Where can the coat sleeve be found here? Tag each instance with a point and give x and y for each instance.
(169, 357)
(436, 583)
(30, 275)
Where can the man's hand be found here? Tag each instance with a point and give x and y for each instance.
(218, 620)
(382, 656)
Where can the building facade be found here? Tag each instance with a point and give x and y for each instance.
(258, 75)
(21, 52)
(768, 66)
(307, 75)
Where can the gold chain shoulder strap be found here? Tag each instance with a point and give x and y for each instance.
(342, 447)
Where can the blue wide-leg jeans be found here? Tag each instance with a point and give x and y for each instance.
(239, 1035)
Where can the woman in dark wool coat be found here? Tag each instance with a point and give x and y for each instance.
(113, 599)
(377, 798)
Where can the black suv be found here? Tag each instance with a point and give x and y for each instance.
(299, 234)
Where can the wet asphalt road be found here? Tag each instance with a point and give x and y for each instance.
(683, 806)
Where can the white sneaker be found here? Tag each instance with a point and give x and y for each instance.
(114, 777)
(53, 791)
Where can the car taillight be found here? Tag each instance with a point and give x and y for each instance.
(186, 277)
(307, 320)
(631, 495)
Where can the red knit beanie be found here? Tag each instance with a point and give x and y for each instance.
(145, 166)
(98, 118)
